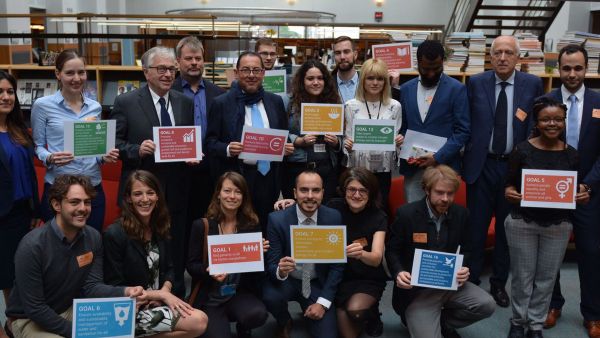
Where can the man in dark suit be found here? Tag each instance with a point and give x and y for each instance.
(136, 113)
(434, 223)
(583, 133)
(435, 104)
(501, 102)
(247, 104)
(190, 57)
(312, 285)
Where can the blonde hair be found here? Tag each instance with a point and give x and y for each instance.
(374, 67)
(437, 173)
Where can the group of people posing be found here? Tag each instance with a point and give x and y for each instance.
(495, 126)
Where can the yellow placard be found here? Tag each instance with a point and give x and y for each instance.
(322, 118)
(318, 244)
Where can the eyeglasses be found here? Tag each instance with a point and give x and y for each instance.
(163, 69)
(248, 71)
(556, 120)
(265, 54)
(361, 191)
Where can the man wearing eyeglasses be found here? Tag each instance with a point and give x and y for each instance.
(136, 113)
(267, 49)
(247, 104)
(501, 102)
(190, 57)
(583, 134)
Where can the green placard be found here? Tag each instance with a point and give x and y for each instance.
(274, 83)
(89, 138)
(371, 134)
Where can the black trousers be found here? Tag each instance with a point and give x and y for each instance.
(244, 308)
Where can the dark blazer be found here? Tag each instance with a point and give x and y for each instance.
(249, 282)
(448, 116)
(482, 100)
(225, 125)
(588, 146)
(6, 183)
(135, 115)
(278, 234)
(125, 259)
(400, 248)
(211, 91)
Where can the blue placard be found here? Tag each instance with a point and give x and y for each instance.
(435, 269)
(104, 317)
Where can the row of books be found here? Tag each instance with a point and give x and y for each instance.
(466, 52)
(591, 43)
(532, 56)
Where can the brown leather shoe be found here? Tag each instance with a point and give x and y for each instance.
(593, 327)
(552, 317)
(284, 331)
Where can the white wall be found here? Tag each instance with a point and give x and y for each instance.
(574, 16)
(14, 25)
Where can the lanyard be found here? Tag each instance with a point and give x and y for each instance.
(369, 111)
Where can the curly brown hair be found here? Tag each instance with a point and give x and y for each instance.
(299, 93)
(246, 217)
(160, 221)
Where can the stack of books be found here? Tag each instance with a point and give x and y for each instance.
(590, 41)
(416, 39)
(532, 56)
(457, 44)
(476, 53)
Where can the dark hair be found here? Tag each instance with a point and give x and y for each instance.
(367, 179)
(64, 56)
(248, 53)
(59, 189)
(572, 49)
(540, 104)
(15, 123)
(299, 93)
(246, 217)
(343, 38)
(308, 172)
(430, 49)
(264, 41)
(159, 219)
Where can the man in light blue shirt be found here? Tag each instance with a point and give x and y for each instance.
(345, 54)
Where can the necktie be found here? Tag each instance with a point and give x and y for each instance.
(306, 268)
(165, 119)
(573, 123)
(500, 121)
(257, 122)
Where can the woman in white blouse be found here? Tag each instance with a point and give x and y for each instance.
(373, 101)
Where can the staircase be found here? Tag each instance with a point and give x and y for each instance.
(508, 17)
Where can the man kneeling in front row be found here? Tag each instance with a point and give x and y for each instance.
(434, 223)
(58, 262)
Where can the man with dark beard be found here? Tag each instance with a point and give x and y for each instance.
(436, 104)
(344, 51)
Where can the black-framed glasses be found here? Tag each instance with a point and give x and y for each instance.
(248, 71)
(361, 191)
(163, 69)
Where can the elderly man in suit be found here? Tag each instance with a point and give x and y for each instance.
(312, 285)
(501, 102)
(583, 134)
(136, 113)
(435, 104)
(434, 223)
(247, 104)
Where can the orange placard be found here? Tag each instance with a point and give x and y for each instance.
(318, 244)
(235, 253)
(395, 55)
(322, 118)
(548, 188)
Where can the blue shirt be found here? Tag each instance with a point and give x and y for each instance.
(47, 121)
(17, 159)
(347, 89)
(199, 98)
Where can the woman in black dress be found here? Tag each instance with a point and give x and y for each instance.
(538, 237)
(226, 297)
(19, 202)
(137, 251)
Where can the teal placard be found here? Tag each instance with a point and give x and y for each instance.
(371, 134)
(274, 81)
(90, 138)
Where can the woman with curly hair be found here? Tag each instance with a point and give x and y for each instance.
(311, 84)
(137, 251)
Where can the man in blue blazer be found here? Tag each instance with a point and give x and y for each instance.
(501, 102)
(247, 104)
(435, 104)
(290, 281)
(583, 133)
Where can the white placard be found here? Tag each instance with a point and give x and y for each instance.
(235, 253)
(177, 144)
(435, 269)
(263, 144)
(548, 188)
(104, 317)
(70, 142)
(385, 127)
(416, 142)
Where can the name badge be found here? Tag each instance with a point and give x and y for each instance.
(85, 259)
(596, 113)
(521, 114)
(420, 237)
(362, 241)
(319, 148)
(375, 157)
